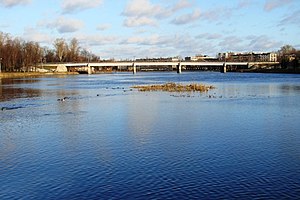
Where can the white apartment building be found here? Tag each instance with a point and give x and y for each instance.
(248, 57)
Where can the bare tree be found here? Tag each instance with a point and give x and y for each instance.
(60, 48)
(37, 54)
(286, 55)
(85, 54)
(74, 48)
(17, 54)
(286, 49)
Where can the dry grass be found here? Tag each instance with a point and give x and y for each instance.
(173, 87)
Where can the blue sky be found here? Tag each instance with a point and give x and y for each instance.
(124, 29)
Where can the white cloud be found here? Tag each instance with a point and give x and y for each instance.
(70, 6)
(218, 13)
(66, 25)
(181, 4)
(12, 3)
(3, 26)
(187, 18)
(263, 43)
(209, 36)
(140, 21)
(97, 40)
(142, 8)
(152, 40)
(273, 4)
(260, 43)
(144, 12)
(130, 52)
(157, 45)
(133, 40)
(117, 51)
(245, 3)
(232, 43)
(178, 42)
(291, 18)
(103, 27)
(32, 34)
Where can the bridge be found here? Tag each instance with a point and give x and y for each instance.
(88, 67)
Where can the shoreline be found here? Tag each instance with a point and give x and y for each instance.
(28, 74)
(269, 71)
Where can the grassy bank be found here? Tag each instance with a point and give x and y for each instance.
(173, 87)
(28, 74)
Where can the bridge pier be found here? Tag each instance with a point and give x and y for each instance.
(223, 68)
(89, 70)
(134, 68)
(179, 68)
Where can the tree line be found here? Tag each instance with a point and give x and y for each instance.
(17, 54)
(289, 57)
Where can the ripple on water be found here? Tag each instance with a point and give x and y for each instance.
(151, 146)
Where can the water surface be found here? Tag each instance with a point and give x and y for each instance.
(107, 141)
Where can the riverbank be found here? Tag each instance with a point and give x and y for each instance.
(31, 74)
(28, 74)
(275, 71)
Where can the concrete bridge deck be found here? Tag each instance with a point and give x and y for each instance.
(178, 64)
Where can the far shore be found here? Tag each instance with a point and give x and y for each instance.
(25, 74)
(274, 71)
(28, 74)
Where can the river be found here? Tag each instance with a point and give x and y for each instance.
(240, 140)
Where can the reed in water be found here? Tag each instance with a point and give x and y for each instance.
(173, 87)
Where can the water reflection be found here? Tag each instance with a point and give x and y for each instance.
(142, 116)
(11, 88)
(132, 145)
(8, 93)
(290, 88)
(14, 81)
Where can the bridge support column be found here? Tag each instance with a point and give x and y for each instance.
(223, 68)
(179, 68)
(134, 68)
(89, 69)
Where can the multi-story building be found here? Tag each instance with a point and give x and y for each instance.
(161, 59)
(200, 57)
(248, 57)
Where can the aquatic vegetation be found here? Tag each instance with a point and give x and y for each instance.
(173, 87)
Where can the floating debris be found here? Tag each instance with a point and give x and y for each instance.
(63, 99)
(173, 87)
(11, 108)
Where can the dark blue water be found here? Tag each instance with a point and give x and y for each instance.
(108, 141)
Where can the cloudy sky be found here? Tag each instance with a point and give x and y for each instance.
(123, 29)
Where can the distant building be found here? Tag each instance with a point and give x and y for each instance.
(290, 57)
(175, 59)
(201, 58)
(223, 56)
(190, 58)
(161, 59)
(248, 57)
